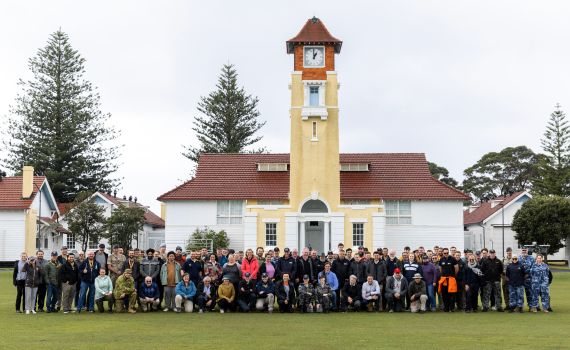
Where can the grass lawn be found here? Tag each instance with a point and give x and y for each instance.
(290, 331)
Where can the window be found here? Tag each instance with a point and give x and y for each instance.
(270, 202)
(271, 234)
(272, 167)
(314, 131)
(354, 167)
(357, 234)
(230, 212)
(313, 96)
(93, 243)
(313, 224)
(398, 212)
(70, 243)
(356, 202)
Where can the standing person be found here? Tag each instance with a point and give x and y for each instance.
(472, 279)
(132, 262)
(492, 269)
(88, 272)
(115, 264)
(307, 296)
(125, 293)
(102, 257)
(286, 265)
(259, 255)
(341, 267)
(358, 268)
(418, 294)
(226, 295)
(34, 275)
(285, 294)
(305, 266)
(265, 293)
(194, 268)
(268, 267)
(162, 254)
(332, 282)
(42, 285)
(251, 265)
(150, 266)
(351, 295)
(504, 282)
(410, 267)
(212, 269)
(514, 276)
(185, 292)
(104, 291)
(161, 262)
(206, 295)
(447, 284)
(68, 275)
(246, 291)
(149, 295)
(371, 294)
(396, 289)
(527, 261)
(430, 278)
(539, 275)
(377, 268)
(460, 277)
(232, 271)
(169, 277)
(51, 273)
(392, 263)
(19, 281)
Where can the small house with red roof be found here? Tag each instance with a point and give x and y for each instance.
(314, 196)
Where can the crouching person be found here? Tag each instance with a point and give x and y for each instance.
(265, 293)
(307, 296)
(206, 295)
(396, 289)
(185, 292)
(371, 294)
(226, 295)
(285, 294)
(125, 292)
(149, 295)
(351, 295)
(418, 294)
(324, 292)
(104, 291)
(246, 294)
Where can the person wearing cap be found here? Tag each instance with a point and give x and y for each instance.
(149, 295)
(226, 295)
(34, 275)
(332, 282)
(514, 276)
(250, 265)
(206, 295)
(307, 296)
(351, 295)
(246, 291)
(418, 294)
(19, 281)
(104, 291)
(539, 275)
(473, 280)
(268, 267)
(430, 274)
(371, 299)
(125, 293)
(324, 294)
(68, 276)
(265, 293)
(492, 269)
(285, 291)
(102, 257)
(396, 289)
(88, 272)
(185, 292)
(321, 262)
(447, 285)
(51, 270)
(286, 265)
(504, 283)
(527, 261)
(169, 277)
(115, 264)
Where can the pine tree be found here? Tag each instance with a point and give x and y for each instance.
(554, 171)
(56, 124)
(229, 119)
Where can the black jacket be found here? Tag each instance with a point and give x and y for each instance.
(470, 277)
(306, 267)
(378, 270)
(392, 264)
(136, 269)
(352, 291)
(342, 270)
(248, 289)
(88, 274)
(415, 289)
(15, 274)
(515, 273)
(68, 274)
(263, 269)
(492, 269)
(286, 265)
(359, 270)
(281, 295)
(213, 291)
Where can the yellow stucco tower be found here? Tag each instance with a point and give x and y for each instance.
(314, 159)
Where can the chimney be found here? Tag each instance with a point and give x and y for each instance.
(27, 181)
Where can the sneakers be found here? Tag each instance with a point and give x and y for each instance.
(533, 309)
(201, 311)
(165, 309)
(66, 312)
(221, 311)
(545, 311)
(391, 311)
(177, 310)
(27, 312)
(33, 312)
(132, 311)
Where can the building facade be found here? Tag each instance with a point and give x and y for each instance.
(315, 196)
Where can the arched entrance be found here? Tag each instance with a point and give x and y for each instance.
(313, 231)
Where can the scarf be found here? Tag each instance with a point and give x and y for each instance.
(473, 266)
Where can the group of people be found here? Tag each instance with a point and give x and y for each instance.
(418, 280)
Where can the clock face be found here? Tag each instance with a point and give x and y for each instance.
(314, 56)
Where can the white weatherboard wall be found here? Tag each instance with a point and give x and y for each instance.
(12, 226)
(184, 217)
(433, 223)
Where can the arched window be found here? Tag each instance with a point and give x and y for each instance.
(314, 206)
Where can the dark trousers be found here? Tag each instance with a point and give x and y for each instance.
(395, 304)
(202, 300)
(448, 299)
(460, 295)
(225, 305)
(21, 295)
(247, 302)
(41, 298)
(471, 297)
(52, 293)
(285, 307)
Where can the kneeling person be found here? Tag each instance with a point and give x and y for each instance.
(125, 292)
(265, 293)
(417, 293)
(104, 291)
(149, 295)
(185, 292)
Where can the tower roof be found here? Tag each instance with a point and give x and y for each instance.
(314, 32)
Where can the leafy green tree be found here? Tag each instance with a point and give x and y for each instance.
(229, 119)
(545, 220)
(501, 173)
(219, 239)
(86, 220)
(442, 174)
(124, 224)
(56, 125)
(554, 170)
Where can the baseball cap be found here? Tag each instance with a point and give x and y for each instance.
(179, 248)
(263, 275)
(305, 277)
(417, 275)
(54, 253)
(247, 274)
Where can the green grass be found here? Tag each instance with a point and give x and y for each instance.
(291, 331)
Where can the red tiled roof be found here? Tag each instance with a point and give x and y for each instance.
(314, 32)
(235, 176)
(11, 192)
(150, 218)
(64, 207)
(484, 210)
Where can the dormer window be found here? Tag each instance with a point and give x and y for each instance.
(354, 167)
(272, 167)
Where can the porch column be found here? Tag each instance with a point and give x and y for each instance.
(291, 230)
(301, 236)
(250, 231)
(337, 230)
(327, 240)
(378, 230)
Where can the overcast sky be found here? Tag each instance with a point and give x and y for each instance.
(452, 79)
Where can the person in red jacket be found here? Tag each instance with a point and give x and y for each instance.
(251, 265)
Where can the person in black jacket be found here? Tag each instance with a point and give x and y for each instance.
(460, 277)
(472, 281)
(515, 276)
(246, 293)
(285, 294)
(206, 295)
(286, 265)
(358, 268)
(377, 268)
(133, 263)
(305, 266)
(19, 281)
(351, 295)
(341, 267)
(492, 269)
(68, 275)
(88, 272)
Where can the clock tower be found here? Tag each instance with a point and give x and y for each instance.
(314, 160)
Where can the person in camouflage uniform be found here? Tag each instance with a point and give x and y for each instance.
(505, 285)
(539, 285)
(125, 290)
(323, 295)
(527, 261)
(307, 296)
(115, 264)
(515, 276)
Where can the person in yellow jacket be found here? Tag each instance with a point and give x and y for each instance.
(226, 295)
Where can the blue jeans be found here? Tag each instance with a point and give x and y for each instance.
(431, 296)
(91, 296)
(52, 293)
(333, 300)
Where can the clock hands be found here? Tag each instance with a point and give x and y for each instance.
(315, 52)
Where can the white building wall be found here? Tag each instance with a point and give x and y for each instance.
(45, 206)
(12, 226)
